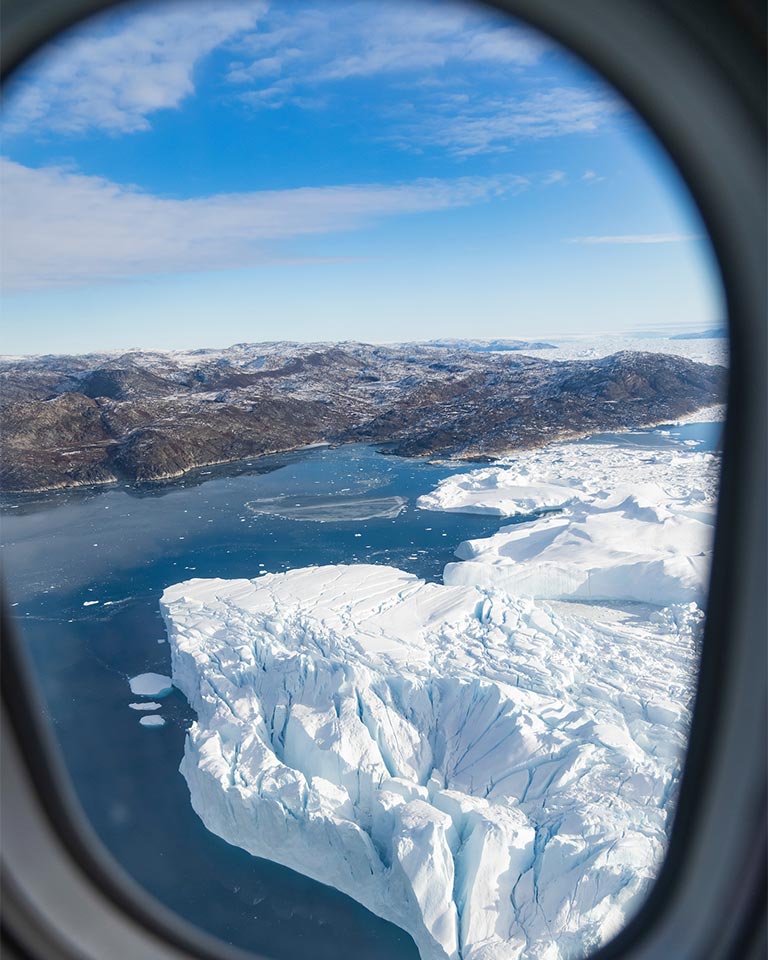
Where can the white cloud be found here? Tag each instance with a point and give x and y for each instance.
(555, 176)
(630, 238)
(324, 46)
(343, 40)
(453, 57)
(494, 125)
(62, 227)
(114, 74)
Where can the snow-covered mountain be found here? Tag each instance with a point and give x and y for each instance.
(492, 762)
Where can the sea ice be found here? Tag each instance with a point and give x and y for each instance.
(149, 705)
(323, 509)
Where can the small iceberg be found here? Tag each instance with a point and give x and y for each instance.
(152, 721)
(151, 705)
(151, 685)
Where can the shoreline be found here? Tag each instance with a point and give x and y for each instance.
(712, 413)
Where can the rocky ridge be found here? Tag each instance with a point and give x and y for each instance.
(142, 416)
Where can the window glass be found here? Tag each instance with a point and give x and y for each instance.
(361, 402)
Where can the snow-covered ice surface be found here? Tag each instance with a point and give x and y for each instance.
(152, 721)
(632, 525)
(492, 771)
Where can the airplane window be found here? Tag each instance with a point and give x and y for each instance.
(361, 399)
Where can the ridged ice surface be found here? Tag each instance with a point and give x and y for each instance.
(625, 524)
(493, 772)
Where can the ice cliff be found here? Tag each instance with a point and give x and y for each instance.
(486, 766)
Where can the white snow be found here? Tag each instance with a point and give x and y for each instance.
(151, 685)
(153, 721)
(150, 705)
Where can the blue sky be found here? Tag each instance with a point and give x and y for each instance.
(202, 174)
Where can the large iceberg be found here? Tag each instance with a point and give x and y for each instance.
(626, 525)
(483, 762)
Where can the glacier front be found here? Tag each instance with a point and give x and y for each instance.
(488, 766)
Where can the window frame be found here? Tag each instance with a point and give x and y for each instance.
(695, 73)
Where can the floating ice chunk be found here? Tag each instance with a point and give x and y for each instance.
(151, 685)
(90, 603)
(633, 528)
(150, 705)
(435, 751)
(625, 551)
(503, 493)
(153, 721)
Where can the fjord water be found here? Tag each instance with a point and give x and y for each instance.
(122, 547)
(85, 571)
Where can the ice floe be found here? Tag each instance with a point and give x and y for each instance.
(152, 721)
(151, 685)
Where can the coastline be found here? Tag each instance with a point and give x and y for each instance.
(710, 412)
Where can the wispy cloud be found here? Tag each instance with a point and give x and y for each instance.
(494, 125)
(63, 228)
(450, 69)
(346, 40)
(453, 71)
(115, 74)
(630, 238)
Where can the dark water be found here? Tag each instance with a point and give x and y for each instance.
(122, 547)
(704, 436)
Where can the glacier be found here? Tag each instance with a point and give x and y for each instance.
(491, 762)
